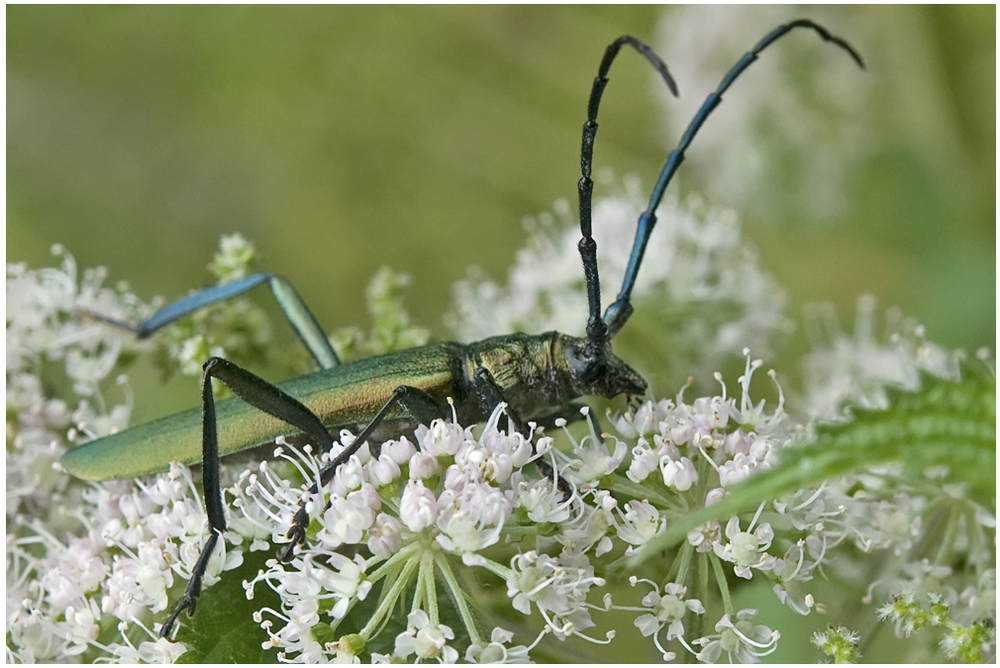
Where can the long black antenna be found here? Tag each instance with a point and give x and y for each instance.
(619, 312)
(597, 331)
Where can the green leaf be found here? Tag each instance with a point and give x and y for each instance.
(945, 422)
(223, 629)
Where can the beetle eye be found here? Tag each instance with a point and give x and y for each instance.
(583, 365)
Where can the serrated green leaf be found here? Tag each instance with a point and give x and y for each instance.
(950, 423)
(223, 630)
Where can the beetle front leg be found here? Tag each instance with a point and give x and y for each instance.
(490, 396)
(190, 597)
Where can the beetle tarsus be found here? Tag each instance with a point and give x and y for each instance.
(190, 598)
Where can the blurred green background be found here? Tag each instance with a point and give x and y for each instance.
(339, 139)
(342, 138)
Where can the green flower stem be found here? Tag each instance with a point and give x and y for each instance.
(458, 595)
(720, 580)
(701, 579)
(682, 564)
(389, 600)
(420, 588)
(392, 562)
(497, 569)
(429, 587)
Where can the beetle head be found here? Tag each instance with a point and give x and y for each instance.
(602, 374)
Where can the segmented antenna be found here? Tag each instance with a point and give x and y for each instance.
(619, 312)
(597, 331)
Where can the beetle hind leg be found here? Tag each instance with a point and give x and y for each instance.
(299, 316)
(262, 395)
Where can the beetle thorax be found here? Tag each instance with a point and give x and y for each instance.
(524, 370)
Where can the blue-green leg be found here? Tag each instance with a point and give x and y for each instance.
(298, 314)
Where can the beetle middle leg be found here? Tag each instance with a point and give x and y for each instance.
(421, 407)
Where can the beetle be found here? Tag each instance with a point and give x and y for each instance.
(536, 376)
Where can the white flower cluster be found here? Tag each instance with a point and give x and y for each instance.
(88, 567)
(857, 367)
(894, 515)
(418, 512)
(138, 540)
(407, 515)
(425, 549)
(699, 449)
(703, 297)
(48, 332)
(128, 540)
(685, 455)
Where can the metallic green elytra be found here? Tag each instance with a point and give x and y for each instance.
(532, 371)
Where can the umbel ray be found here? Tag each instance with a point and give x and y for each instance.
(538, 376)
